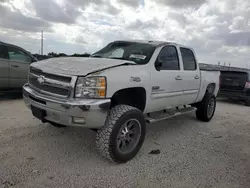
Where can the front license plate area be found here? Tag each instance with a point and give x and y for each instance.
(38, 113)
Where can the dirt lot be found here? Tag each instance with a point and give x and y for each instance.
(193, 154)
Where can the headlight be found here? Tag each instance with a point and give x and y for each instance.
(91, 87)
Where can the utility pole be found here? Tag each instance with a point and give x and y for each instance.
(42, 43)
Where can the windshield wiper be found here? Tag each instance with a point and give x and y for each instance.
(96, 55)
(117, 58)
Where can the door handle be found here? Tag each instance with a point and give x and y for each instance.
(196, 77)
(178, 77)
(16, 66)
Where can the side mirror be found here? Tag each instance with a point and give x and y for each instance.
(158, 65)
(33, 60)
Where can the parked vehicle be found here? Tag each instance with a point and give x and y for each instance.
(236, 85)
(119, 89)
(14, 66)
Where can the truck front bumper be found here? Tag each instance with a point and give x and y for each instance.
(89, 113)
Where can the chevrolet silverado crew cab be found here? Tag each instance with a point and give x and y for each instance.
(119, 89)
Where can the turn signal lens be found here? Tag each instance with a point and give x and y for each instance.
(101, 82)
(101, 92)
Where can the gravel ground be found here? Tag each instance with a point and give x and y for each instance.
(192, 153)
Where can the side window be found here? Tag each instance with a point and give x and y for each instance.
(16, 54)
(168, 58)
(3, 52)
(188, 58)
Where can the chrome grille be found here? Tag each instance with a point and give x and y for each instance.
(55, 85)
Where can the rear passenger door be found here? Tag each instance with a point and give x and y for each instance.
(19, 66)
(191, 76)
(4, 68)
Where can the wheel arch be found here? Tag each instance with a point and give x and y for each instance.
(133, 96)
(210, 88)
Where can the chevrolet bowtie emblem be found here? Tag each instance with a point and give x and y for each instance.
(41, 79)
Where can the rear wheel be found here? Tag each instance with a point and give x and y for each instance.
(205, 110)
(122, 136)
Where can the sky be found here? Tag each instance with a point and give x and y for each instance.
(218, 31)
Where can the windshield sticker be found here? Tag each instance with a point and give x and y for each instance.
(137, 56)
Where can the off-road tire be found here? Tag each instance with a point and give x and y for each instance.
(202, 108)
(106, 136)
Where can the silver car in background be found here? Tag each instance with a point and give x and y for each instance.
(14, 66)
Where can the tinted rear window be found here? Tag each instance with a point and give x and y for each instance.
(188, 59)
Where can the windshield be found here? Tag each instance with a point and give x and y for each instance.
(140, 53)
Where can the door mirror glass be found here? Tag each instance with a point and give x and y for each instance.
(158, 65)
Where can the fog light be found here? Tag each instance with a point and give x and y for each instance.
(78, 120)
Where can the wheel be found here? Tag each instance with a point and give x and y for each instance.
(206, 109)
(57, 125)
(122, 136)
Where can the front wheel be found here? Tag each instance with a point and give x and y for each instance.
(206, 109)
(122, 136)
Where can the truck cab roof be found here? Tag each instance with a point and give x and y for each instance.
(155, 43)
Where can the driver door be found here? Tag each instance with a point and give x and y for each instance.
(166, 80)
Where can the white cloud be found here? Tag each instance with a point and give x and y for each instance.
(217, 30)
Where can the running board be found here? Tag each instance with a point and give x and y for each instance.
(167, 115)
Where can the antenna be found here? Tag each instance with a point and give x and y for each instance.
(42, 43)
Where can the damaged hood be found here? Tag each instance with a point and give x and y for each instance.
(77, 66)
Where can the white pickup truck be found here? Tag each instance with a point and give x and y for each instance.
(119, 89)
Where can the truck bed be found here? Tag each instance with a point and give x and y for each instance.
(207, 77)
(211, 67)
